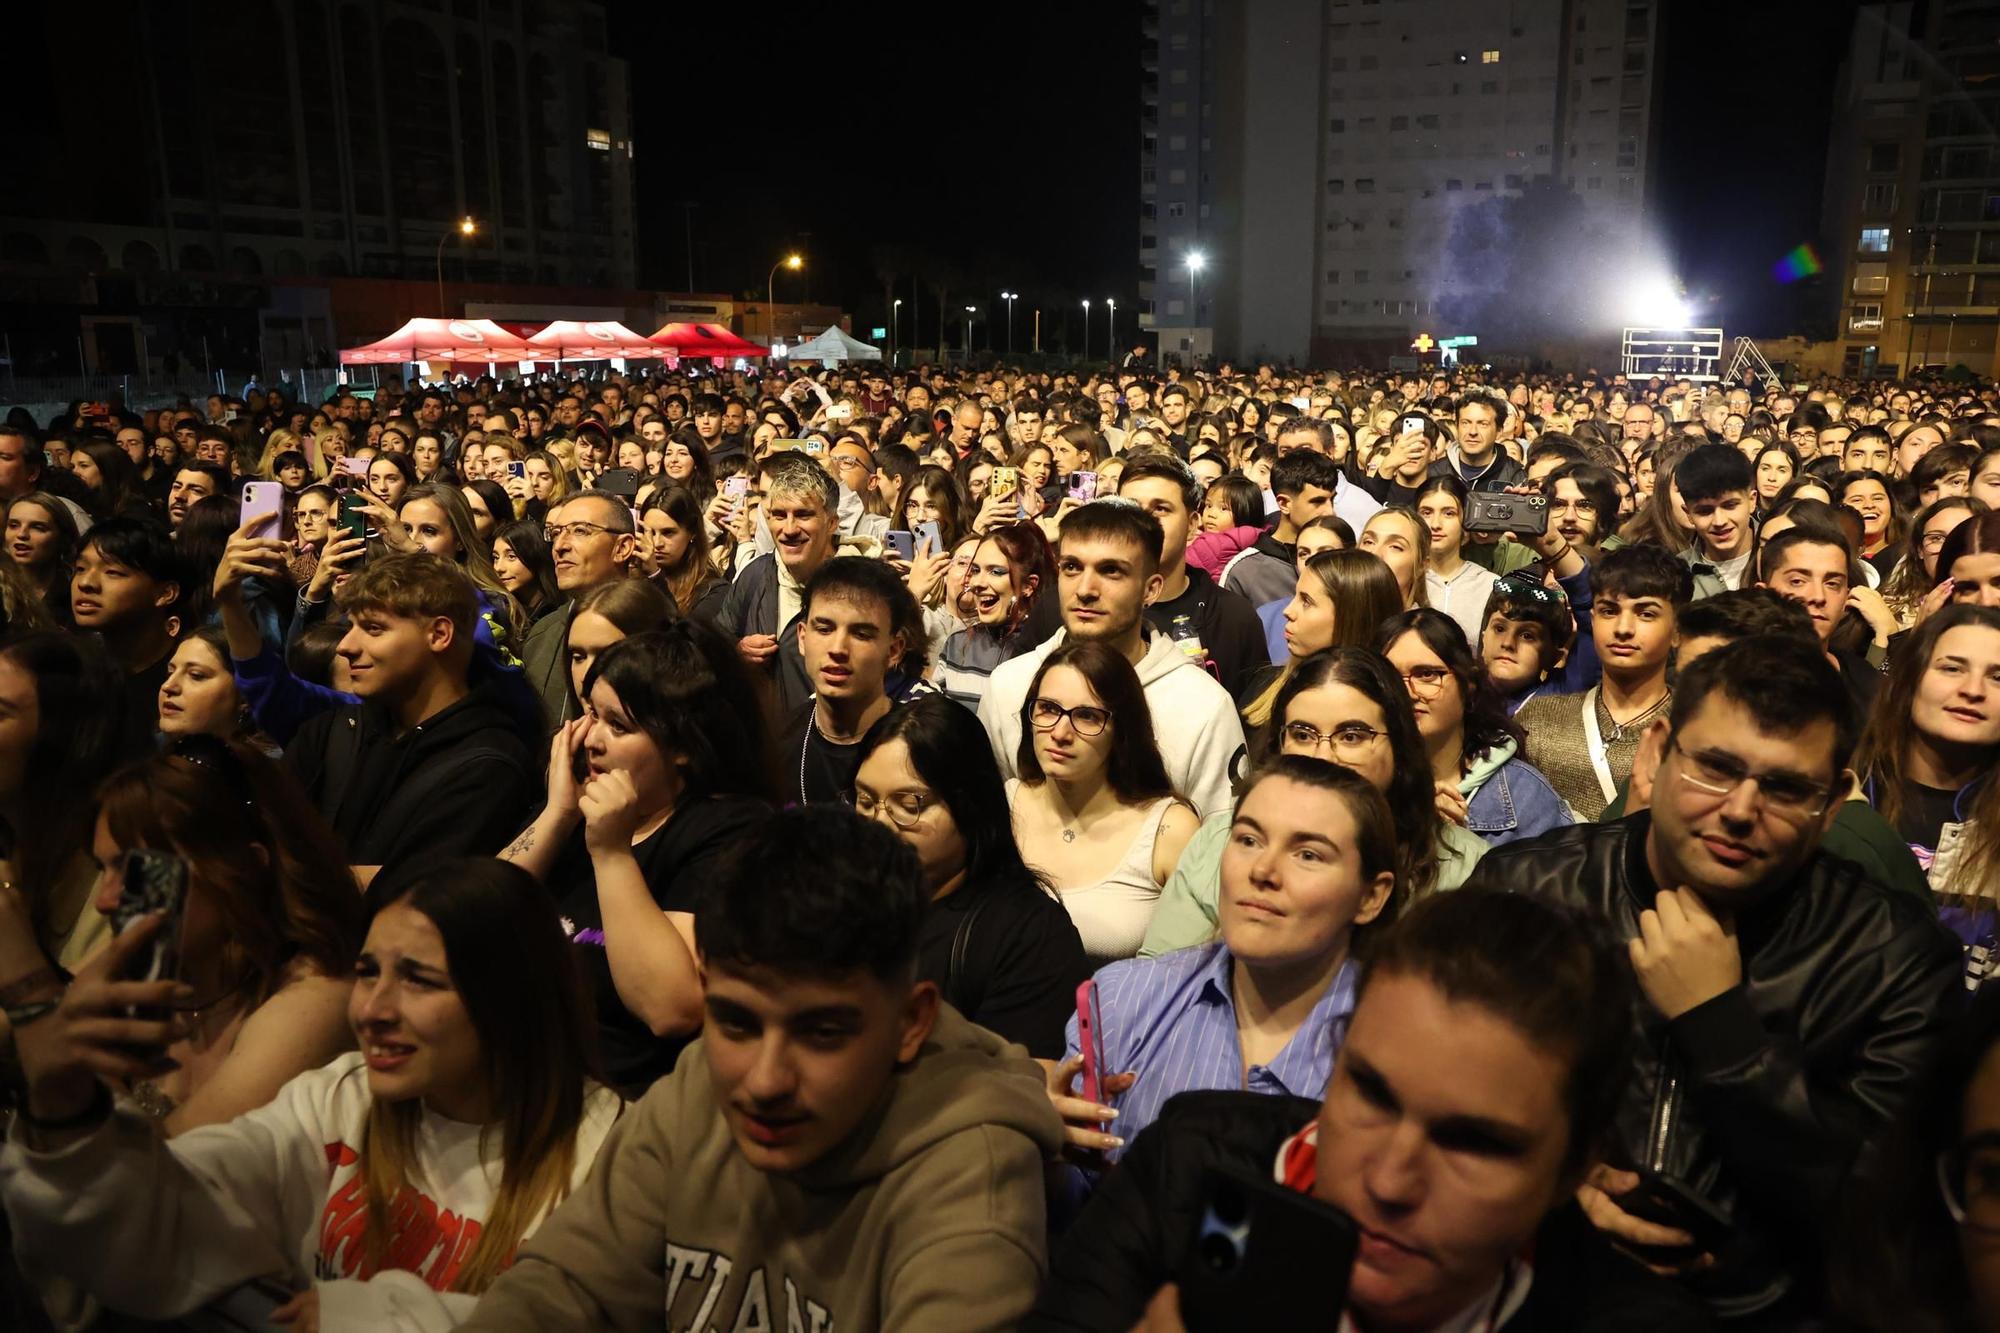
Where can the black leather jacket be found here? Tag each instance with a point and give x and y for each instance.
(1762, 1098)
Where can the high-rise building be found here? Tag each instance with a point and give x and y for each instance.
(1911, 218)
(327, 137)
(1314, 155)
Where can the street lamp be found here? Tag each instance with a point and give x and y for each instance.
(1086, 328)
(466, 227)
(794, 262)
(1010, 298)
(1111, 334)
(968, 331)
(895, 327)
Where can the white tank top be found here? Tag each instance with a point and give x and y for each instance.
(1112, 915)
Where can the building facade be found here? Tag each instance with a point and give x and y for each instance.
(1911, 218)
(1318, 155)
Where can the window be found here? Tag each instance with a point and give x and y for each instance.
(1369, 62)
(1429, 122)
(1336, 187)
(1333, 277)
(1176, 176)
(1489, 57)
(1871, 279)
(1399, 122)
(1489, 85)
(1177, 209)
(1875, 240)
(1878, 199)
(1364, 185)
(1337, 126)
(1177, 143)
(1361, 275)
(1452, 186)
(1865, 318)
(1884, 156)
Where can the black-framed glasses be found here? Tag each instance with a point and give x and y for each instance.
(555, 532)
(1968, 1177)
(1719, 774)
(904, 809)
(1088, 719)
(1347, 738)
(1426, 682)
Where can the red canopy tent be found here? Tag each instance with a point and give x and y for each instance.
(706, 340)
(473, 341)
(594, 340)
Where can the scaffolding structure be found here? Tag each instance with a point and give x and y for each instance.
(1680, 353)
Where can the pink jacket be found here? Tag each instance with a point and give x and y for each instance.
(1212, 550)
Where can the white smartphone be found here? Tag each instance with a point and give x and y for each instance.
(263, 510)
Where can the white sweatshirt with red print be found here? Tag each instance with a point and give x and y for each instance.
(160, 1228)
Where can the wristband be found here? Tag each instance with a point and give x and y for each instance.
(40, 982)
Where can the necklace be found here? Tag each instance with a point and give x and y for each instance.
(805, 745)
(1616, 732)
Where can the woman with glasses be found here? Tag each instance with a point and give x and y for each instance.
(646, 792)
(1093, 808)
(995, 940)
(1911, 589)
(1472, 742)
(1928, 759)
(1347, 705)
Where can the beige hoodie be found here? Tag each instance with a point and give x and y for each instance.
(930, 1217)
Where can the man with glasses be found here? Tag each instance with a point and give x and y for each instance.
(1791, 1001)
(592, 541)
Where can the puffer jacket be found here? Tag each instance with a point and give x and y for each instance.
(1762, 1098)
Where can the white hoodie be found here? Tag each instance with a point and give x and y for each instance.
(1194, 719)
(160, 1228)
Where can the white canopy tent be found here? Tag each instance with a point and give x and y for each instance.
(834, 345)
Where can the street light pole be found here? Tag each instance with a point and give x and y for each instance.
(895, 327)
(794, 262)
(968, 332)
(1086, 328)
(466, 227)
(1196, 261)
(1009, 298)
(1111, 334)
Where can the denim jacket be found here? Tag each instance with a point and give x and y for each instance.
(1508, 798)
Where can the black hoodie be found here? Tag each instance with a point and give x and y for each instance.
(459, 783)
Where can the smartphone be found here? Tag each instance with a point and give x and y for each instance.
(1497, 511)
(1090, 1041)
(928, 533)
(517, 469)
(1004, 481)
(902, 545)
(1663, 1199)
(354, 520)
(813, 448)
(1083, 487)
(1261, 1254)
(1411, 426)
(736, 487)
(154, 882)
(263, 512)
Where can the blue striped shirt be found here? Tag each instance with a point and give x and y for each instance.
(1172, 1021)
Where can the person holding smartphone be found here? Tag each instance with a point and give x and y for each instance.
(1311, 862)
(1479, 1070)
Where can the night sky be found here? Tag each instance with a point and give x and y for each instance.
(1009, 150)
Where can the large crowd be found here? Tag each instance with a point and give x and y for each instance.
(972, 848)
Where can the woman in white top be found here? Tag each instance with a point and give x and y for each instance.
(384, 1191)
(1093, 808)
(1453, 584)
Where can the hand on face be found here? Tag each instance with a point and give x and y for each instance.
(1684, 955)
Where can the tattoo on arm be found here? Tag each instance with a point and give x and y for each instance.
(521, 845)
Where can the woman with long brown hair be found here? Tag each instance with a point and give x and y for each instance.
(1011, 589)
(1927, 761)
(1341, 599)
(387, 1189)
(1094, 809)
(682, 559)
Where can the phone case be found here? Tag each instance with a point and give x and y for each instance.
(154, 882)
(1262, 1255)
(1090, 1041)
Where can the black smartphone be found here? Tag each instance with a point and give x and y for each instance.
(154, 882)
(1497, 511)
(1261, 1254)
(1672, 1203)
(354, 519)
